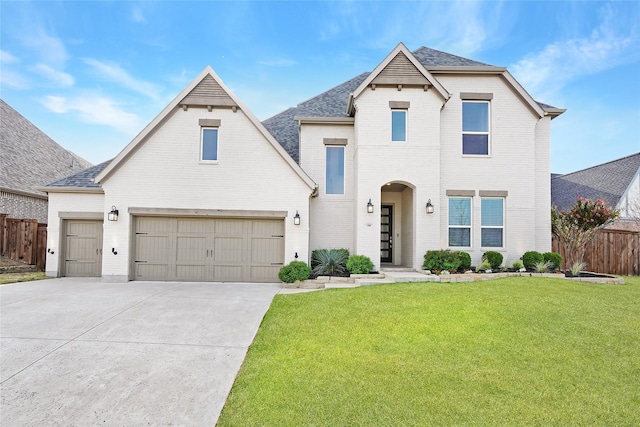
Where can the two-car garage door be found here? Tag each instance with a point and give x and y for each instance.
(205, 249)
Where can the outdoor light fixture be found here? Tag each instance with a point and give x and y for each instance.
(369, 207)
(296, 219)
(113, 215)
(113, 251)
(429, 207)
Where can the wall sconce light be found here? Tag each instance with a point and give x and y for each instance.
(50, 251)
(429, 207)
(113, 251)
(369, 206)
(296, 255)
(113, 215)
(296, 219)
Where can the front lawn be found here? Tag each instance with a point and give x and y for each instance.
(516, 351)
(21, 277)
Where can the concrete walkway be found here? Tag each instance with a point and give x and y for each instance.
(81, 352)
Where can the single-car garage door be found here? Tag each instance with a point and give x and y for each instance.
(82, 248)
(197, 249)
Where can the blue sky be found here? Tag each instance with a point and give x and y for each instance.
(92, 74)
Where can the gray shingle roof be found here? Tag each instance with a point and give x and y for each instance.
(333, 103)
(29, 158)
(82, 179)
(435, 58)
(607, 181)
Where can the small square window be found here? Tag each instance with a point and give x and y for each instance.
(398, 125)
(475, 127)
(209, 145)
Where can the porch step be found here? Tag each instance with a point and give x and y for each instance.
(408, 275)
(396, 268)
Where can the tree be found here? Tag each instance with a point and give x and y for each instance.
(579, 225)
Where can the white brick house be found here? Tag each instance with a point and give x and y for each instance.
(207, 192)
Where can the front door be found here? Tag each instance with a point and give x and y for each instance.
(386, 233)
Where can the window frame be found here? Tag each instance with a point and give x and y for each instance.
(487, 132)
(469, 227)
(501, 227)
(326, 167)
(202, 133)
(405, 112)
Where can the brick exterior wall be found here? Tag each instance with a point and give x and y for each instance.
(23, 207)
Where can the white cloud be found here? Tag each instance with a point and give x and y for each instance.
(14, 80)
(278, 62)
(59, 78)
(546, 72)
(137, 15)
(7, 58)
(116, 74)
(50, 49)
(95, 109)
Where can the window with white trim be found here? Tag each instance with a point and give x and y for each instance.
(398, 125)
(209, 144)
(475, 127)
(460, 221)
(492, 222)
(334, 180)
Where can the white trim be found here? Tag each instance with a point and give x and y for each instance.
(344, 166)
(463, 132)
(470, 226)
(406, 127)
(209, 161)
(503, 228)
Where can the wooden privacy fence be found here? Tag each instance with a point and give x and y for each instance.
(612, 252)
(23, 240)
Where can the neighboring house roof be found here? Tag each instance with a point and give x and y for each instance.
(608, 181)
(334, 102)
(29, 159)
(205, 90)
(80, 180)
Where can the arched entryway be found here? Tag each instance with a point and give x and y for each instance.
(397, 224)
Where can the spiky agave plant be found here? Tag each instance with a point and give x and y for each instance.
(329, 262)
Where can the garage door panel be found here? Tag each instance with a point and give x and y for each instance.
(229, 273)
(211, 249)
(267, 250)
(82, 248)
(229, 250)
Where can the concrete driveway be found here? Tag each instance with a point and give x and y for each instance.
(78, 352)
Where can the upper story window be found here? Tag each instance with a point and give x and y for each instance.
(334, 180)
(209, 151)
(209, 139)
(475, 127)
(492, 222)
(460, 221)
(398, 125)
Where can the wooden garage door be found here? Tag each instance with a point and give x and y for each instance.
(195, 249)
(83, 248)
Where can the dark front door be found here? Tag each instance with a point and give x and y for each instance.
(386, 233)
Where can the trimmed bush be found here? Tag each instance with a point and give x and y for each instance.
(554, 258)
(517, 265)
(295, 270)
(493, 258)
(446, 260)
(329, 262)
(531, 258)
(359, 264)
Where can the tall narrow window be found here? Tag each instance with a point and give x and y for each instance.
(398, 125)
(460, 221)
(475, 127)
(492, 222)
(335, 170)
(209, 148)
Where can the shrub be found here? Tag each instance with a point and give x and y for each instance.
(517, 265)
(531, 258)
(295, 270)
(359, 264)
(329, 262)
(446, 260)
(542, 266)
(483, 266)
(493, 258)
(554, 258)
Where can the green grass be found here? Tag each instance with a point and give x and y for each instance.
(517, 351)
(21, 277)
